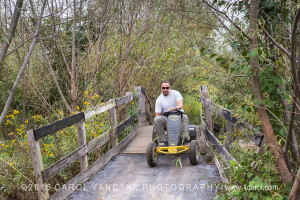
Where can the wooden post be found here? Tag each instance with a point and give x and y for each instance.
(230, 138)
(38, 166)
(82, 141)
(141, 106)
(113, 124)
(207, 111)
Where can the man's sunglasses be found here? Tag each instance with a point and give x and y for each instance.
(165, 88)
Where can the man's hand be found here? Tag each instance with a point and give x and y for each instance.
(171, 109)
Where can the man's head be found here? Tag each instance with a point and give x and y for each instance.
(165, 87)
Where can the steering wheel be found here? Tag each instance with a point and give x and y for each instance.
(175, 111)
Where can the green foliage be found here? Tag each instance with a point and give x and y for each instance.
(252, 181)
(192, 107)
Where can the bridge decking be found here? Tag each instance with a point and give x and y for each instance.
(128, 176)
(140, 142)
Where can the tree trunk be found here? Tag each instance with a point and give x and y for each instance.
(73, 68)
(295, 192)
(11, 32)
(261, 110)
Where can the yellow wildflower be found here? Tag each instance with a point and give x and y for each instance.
(12, 133)
(26, 121)
(25, 136)
(86, 103)
(13, 141)
(16, 112)
(95, 96)
(82, 109)
(51, 154)
(77, 107)
(6, 146)
(60, 113)
(2, 145)
(12, 163)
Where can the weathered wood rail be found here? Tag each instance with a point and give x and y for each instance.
(234, 122)
(81, 153)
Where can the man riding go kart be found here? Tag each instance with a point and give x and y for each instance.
(169, 115)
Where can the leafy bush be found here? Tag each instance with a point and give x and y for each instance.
(259, 181)
(192, 107)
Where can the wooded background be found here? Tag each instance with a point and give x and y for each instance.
(60, 57)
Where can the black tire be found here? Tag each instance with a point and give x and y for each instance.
(194, 152)
(192, 132)
(151, 155)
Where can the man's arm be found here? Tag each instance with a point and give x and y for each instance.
(157, 114)
(179, 105)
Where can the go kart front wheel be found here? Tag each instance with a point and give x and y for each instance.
(151, 154)
(194, 152)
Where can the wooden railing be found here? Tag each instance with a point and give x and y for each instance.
(234, 122)
(81, 153)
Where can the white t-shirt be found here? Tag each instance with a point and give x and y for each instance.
(164, 103)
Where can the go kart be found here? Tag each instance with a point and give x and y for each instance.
(175, 145)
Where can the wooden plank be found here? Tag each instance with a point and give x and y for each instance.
(82, 141)
(56, 126)
(38, 166)
(218, 146)
(140, 143)
(207, 109)
(63, 193)
(125, 124)
(100, 109)
(124, 100)
(220, 169)
(141, 106)
(228, 115)
(75, 155)
(98, 141)
(64, 162)
(113, 125)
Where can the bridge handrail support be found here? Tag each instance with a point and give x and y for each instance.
(233, 122)
(43, 175)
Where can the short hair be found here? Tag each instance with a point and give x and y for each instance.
(165, 82)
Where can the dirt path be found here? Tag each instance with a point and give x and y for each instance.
(128, 176)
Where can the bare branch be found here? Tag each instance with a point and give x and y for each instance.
(11, 32)
(284, 50)
(25, 63)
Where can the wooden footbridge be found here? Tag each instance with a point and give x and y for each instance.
(123, 171)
